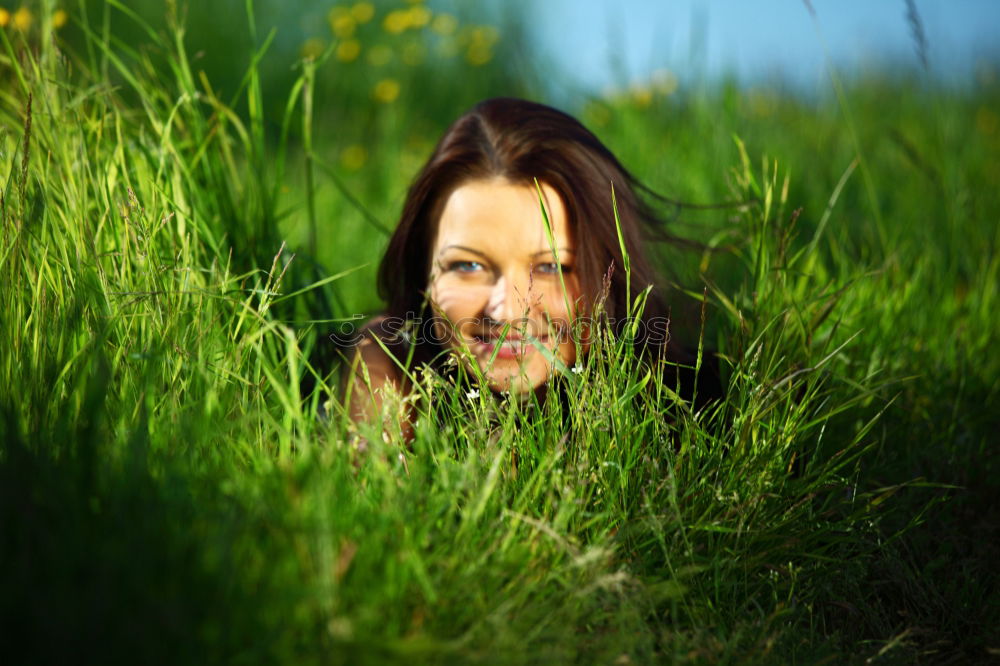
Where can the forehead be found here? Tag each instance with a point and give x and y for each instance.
(499, 216)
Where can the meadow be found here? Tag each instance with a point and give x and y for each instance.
(177, 477)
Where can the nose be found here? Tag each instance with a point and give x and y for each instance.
(509, 300)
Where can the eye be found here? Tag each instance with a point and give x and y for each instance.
(465, 266)
(552, 268)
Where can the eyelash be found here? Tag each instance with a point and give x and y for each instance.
(464, 266)
(555, 268)
(548, 268)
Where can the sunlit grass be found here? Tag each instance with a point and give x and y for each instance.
(179, 483)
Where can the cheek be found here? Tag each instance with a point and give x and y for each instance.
(457, 301)
(562, 311)
(555, 302)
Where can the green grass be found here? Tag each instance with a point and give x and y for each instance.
(168, 492)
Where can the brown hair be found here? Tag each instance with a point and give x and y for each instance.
(523, 141)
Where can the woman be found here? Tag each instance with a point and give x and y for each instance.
(507, 243)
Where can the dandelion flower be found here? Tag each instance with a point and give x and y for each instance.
(396, 21)
(363, 12)
(386, 90)
(349, 50)
(4, 17)
(22, 19)
(418, 16)
(478, 54)
(59, 18)
(642, 96)
(481, 41)
(312, 48)
(485, 34)
(341, 22)
(354, 157)
(444, 24)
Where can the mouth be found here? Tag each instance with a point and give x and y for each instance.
(513, 346)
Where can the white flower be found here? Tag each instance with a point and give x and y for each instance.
(577, 369)
(473, 394)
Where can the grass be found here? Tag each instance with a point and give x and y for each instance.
(169, 493)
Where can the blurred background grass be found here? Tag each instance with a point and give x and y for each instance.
(390, 76)
(160, 496)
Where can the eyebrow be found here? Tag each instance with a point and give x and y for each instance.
(558, 249)
(482, 254)
(460, 247)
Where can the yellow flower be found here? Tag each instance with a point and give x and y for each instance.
(349, 50)
(485, 34)
(341, 22)
(354, 157)
(4, 17)
(363, 12)
(312, 48)
(379, 55)
(478, 54)
(386, 91)
(22, 19)
(59, 18)
(396, 21)
(642, 96)
(444, 24)
(419, 16)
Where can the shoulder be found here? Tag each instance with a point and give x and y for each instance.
(372, 375)
(372, 356)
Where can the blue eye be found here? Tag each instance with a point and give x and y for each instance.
(465, 266)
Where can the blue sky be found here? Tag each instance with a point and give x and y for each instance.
(601, 43)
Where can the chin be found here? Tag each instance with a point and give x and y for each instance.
(518, 378)
(514, 384)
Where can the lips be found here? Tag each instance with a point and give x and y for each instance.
(513, 346)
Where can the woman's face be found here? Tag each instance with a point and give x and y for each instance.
(493, 264)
